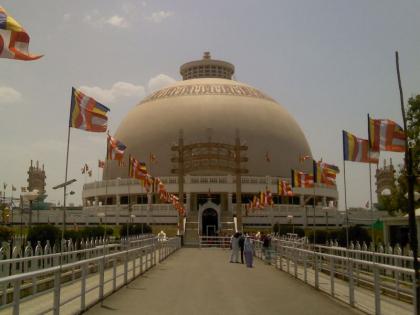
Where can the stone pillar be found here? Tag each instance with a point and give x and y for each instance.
(188, 204)
(118, 207)
(324, 201)
(229, 203)
(149, 207)
(302, 200)
(96, 203)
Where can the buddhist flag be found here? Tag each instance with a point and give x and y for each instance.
(284, 188)
(87, 114)
(14, 41)
(115, 149)
(357, 150)
(325, 173)
(301, 179)
(386, 135)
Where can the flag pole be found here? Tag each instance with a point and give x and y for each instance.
(345, 194)
(65, 186)
(370, 182)
(410, 183)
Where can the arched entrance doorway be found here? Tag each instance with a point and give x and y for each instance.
(209, 222)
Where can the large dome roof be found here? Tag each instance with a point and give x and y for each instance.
(212, 109)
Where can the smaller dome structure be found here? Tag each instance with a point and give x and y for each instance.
(207, 68)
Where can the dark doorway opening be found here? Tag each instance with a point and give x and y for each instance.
(209, 222)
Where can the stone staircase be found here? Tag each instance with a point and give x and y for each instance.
(191, 230)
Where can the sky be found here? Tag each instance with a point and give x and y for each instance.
(328, 62)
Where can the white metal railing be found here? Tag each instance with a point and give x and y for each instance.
(32, 259)
(326, 270)
(214, 241)
(100, 275)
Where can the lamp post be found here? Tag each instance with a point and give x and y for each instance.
(64, 185)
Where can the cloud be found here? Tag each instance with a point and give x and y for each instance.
(121, 90)
(116, 92)
(159, 16)
(160, 81)
(9, 95)
(117, 21)
(66, 17)
(95, 19)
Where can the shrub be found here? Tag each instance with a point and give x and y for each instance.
(43, 233)
(5, 234)
(135, 229)
(356, 233)
(284, 229)
(95, 231)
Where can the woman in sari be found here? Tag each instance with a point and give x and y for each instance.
(248, 252)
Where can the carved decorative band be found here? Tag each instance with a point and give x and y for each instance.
(207, 89)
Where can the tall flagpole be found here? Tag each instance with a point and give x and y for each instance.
(65, 186)
(370, 182)
(345, 194)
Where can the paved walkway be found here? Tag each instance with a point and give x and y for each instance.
(202, 281)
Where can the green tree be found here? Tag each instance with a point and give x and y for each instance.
(413, 130)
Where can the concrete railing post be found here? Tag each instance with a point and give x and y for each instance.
(377, 285)
(114, 274)
(316, 271)
(351, 282)
(57, 292)
(332, 275)
(16, 297)
(83, 288)
(101, 266)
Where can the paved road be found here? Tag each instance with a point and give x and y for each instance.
(201, 281)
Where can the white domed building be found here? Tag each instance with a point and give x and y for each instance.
(216, 141)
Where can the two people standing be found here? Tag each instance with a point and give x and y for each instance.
(241, 243)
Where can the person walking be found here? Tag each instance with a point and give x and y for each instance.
(266, 239)
(241, 246)
(248, 251)
(234, 244)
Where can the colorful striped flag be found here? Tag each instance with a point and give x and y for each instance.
(325, 173)
(115, 149)
(386, 135)
(357, 150)
(284, 188)
(14, 41)
(301, 179)
(86, 113)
